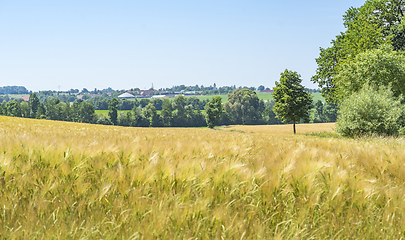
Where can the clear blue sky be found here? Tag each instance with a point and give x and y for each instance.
(127, 44)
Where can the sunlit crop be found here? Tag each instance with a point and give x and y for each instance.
(72, 181)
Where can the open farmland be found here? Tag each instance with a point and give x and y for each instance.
(70, 180)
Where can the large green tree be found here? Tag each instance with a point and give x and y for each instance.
(377, 67)
(293, 102)
(50, 105)
(179, 115)
(41, 112)
(33, 104)
(125, 119)
(213, 111)
(86, 112)
(25, 112)
(167, 112)
(375, 23)
(244, 107)
(13, 109)
(151, 114)
(113, 110)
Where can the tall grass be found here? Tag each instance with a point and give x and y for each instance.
(70, 180)
(303, 128)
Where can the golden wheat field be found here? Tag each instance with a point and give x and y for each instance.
(79, 181)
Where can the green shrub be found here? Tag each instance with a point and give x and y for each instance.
(370, 112)
(402, 131)
(101, 119)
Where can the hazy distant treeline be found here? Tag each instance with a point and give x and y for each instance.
(13, 90)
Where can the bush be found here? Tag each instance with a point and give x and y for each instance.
(402, 131)
(101, 119)
(370, 112)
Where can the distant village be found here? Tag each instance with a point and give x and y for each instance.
(155, 94)
(15, 92)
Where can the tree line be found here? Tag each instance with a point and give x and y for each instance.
(13, 90)
(243, 107)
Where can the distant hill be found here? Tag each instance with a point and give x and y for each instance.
(13, 90)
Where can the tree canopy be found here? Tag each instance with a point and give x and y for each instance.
(292, 100)
(33, 104)
(244, 107)
(213, 110)
(375, 23)
(113, 110)
(376, 67)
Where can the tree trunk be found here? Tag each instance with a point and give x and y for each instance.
(294, 126)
